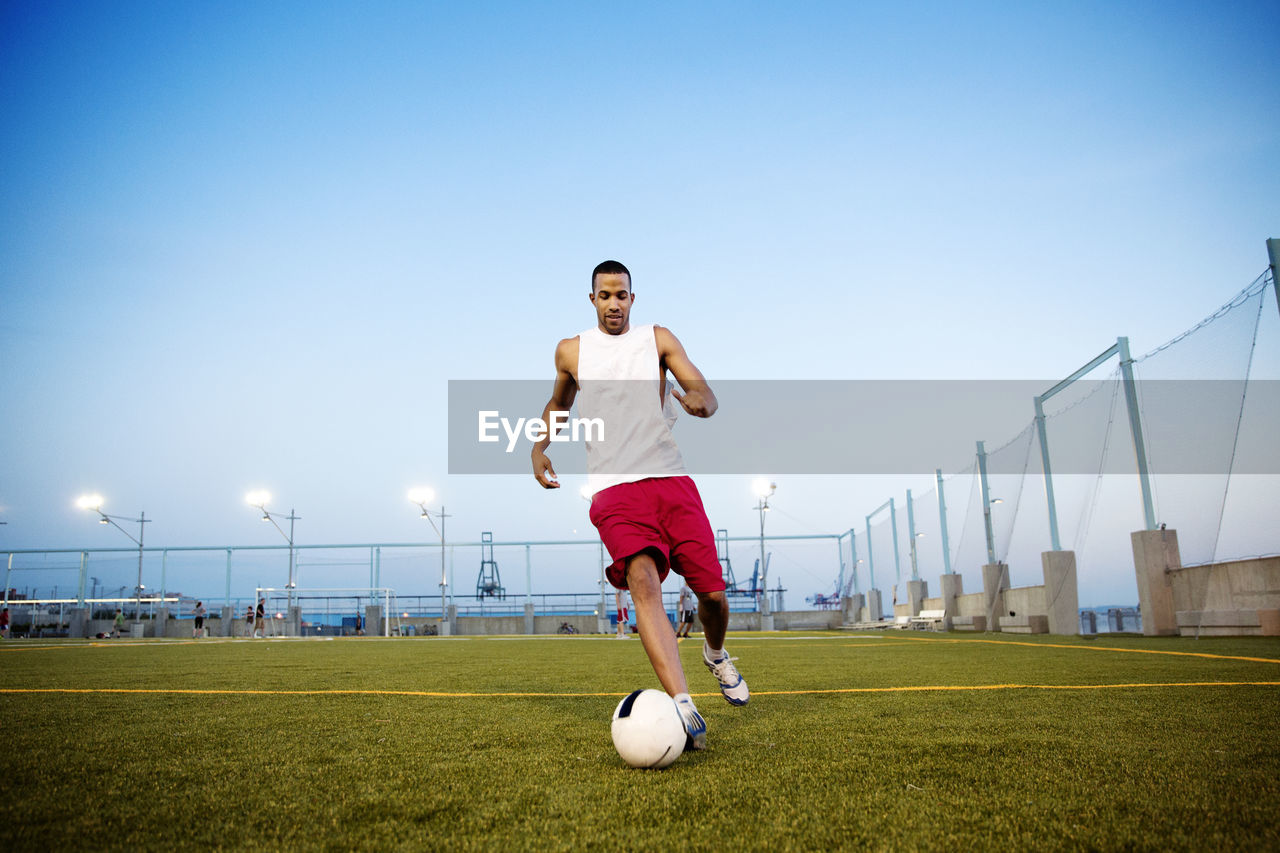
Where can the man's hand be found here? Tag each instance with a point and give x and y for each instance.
(695, 402)
(543, 472)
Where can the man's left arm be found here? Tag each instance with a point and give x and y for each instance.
(698, 399)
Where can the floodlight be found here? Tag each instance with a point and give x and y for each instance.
(585, 491)
(258, 498)
(421, 495)
(995, 501)
(762, 488)
(89, 501)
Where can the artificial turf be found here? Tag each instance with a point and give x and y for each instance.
(891, 741)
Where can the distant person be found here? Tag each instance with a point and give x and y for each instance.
(260, 618)
(198, 631)
(685, 611)
(643, 501)
(248, 621)
(624, 614)
(117, 627)
(4, 623)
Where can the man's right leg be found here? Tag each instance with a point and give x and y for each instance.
(659, 641)
(656, 635)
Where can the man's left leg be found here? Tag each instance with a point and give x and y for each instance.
(713, 608)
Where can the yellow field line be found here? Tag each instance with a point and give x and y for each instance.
(1096, 649)
(447, 695)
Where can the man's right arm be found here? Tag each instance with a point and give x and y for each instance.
(563, 394)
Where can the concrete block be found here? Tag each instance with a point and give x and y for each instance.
(851, 607)
(78, 626)
(875, 609)
(373, 620)
(1062, 600)
(1155, 554)
(917, 592)
(227, 620)
(1031, 623)
(1269, 622)
(995, 580)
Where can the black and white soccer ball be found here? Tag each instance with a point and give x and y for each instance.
(647, 729)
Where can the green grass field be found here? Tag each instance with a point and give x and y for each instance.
(891, 741)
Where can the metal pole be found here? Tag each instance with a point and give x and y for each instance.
(7, 573)
(292, 518)
(911, 531)
(893, 524)
(528, 575)
(942, 517)
(142, 526)
(164, 581)
(444, 583)
(604, 613)
(986, 502)
(763, 601)
(1135, 427)
(1048, 474)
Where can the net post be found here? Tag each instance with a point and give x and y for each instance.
(942, 518)
(853, 559)
(1273, 259)
(1048, 475)
(84, 570)
(893, 526)
(986, 502)
(871, 558)
(7, 573)
(1135, 428)
(911, 532)
(840, 566)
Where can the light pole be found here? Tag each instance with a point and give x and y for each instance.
(94, 502)
(421, 497)
(602, 617)
(259, 501)
(763, 490)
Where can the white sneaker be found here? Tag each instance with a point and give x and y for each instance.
(732, 685)
(695, 728)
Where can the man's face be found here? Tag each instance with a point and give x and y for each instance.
(612, 298)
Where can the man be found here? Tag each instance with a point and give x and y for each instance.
(685, 611)
(117, 626)
(624, 615)
(643, 502)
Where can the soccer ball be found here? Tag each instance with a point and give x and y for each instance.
(647, 729)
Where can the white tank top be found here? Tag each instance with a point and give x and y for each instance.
(618, 382)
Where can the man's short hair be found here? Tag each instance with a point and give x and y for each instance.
(609, 268)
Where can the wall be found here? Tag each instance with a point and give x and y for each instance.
(1023, 600)
(1236, 585)
(971, 604)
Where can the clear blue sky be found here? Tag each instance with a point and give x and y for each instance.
(246, 245)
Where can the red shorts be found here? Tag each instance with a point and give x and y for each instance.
(662, 515)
